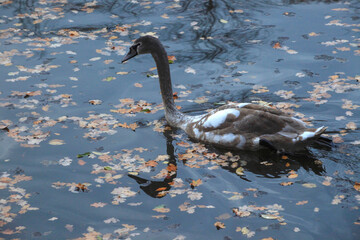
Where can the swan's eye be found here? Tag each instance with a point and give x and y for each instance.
(135, 47)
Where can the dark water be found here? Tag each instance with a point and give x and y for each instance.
(55, 56)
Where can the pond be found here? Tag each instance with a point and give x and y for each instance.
(85, 149)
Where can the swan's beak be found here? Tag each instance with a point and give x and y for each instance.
(132, 53)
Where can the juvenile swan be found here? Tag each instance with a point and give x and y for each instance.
(242, 126)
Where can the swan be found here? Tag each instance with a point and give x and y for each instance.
(242, 126)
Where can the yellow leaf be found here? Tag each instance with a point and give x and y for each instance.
(240, 171)
(122, 73)
(57, 142)
(313, 34)
(223, 21)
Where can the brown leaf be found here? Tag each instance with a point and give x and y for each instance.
(219, 225)
(161, 209)
(98, 204)
(277, 45)
(357, 186)
(73, 34)
(81, 162)
(171, 167)
(151, 163)
(241, 213)
(183, 144)
(132, 126)
(292, 174)
(302, 202)
(286, 183)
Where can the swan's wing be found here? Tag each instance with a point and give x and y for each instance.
(249, 126)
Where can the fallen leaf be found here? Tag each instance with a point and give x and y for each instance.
(81, 162)
(240, 213)
(195, 183)
(162, 209)
(309, 185)
(98, 204)
(139, 85)
(219, 225)
(292, 174)
(171, 168)
(286, 183)
(56, 142)
(240, 171)
(151, 163)
(351, 126)
(122, 73)
(313, 34)
(302, 202)
(83, 155)
(357, 186)
(277, 45)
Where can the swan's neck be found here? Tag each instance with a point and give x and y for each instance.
(172, 114)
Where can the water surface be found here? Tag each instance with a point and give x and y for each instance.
(72, 169)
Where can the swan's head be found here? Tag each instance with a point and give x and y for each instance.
(142, 45)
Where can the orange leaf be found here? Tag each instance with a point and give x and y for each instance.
(151, 163)
(160, 189)
(302, 202)
(195, 183)
(277, 45)
(292, 174)
(357, 186)
(183, 144)
(73, 34)
(171, 58)
(171, 167)
(81, 162)
(219, 225)
(286, 183)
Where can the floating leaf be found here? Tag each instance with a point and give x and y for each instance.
(269, 216)
(277, 45)
(162, 209)
(302, 202)
(107, 168)
(83, 155)
(240, 171)
(219, 225)
(122, 73)
(223, 21)
(195, 183)
(108, 79)
(98, 205)
(357, 186)
(286, 183)
(309, 185)
(56, 142)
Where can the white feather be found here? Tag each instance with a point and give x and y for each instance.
(218, 118)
